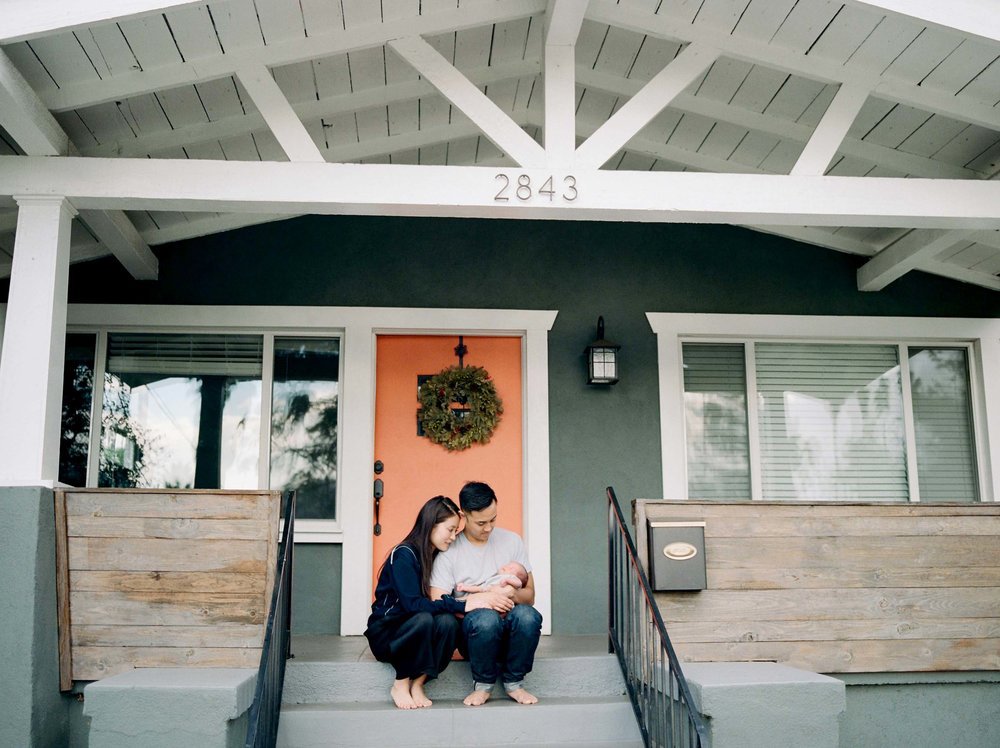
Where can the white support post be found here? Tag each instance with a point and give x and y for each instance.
(652, 99)
(496, 124)
(285, 124)
(905, 255)
(564, 20)
(31, 362)
(831, 130)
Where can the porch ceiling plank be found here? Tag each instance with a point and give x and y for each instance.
(564, 19)
(786, 129)
(904, 255)
(285, 124)
(288, 51)
(244, 187)
(26, 19)
(977, 18)
(781, 57)
(638, 111)
(460, 91)
(830, 133)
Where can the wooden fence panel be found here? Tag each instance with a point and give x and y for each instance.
(838, 587)
(162, 578)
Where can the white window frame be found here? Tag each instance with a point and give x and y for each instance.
(358, 328)
(982, 336)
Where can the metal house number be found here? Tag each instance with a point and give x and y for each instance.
(524, 191)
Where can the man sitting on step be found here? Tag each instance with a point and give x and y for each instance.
(495, 645)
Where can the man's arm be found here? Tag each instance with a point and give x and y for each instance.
(437, 593)
(525, 595)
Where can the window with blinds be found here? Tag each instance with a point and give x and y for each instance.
(715, 415)
(827, 422)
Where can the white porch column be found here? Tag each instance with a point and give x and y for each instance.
(34, 343)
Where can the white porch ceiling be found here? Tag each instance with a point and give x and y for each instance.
(756, 87)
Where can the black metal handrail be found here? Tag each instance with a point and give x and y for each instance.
(262, 727)
(660, 695)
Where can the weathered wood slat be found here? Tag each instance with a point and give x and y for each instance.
(167, 581)
(155, 554)
(158, 609)
(829, 604)
(216, 635)
(94, 663)
(833, 576)
(906, 655)
(189, 505)
(769, 510)
(148, 527)
(867, 526)
(834, 630)
(62, 594)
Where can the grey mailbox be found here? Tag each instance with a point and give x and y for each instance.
(676, 555)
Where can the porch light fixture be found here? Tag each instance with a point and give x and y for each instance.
(602, 358)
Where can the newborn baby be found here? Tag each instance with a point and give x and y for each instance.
(512, 574)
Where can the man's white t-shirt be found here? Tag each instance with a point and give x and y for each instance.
(467, 563)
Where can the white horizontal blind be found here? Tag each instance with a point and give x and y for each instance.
(185, 354)
(831, 425)
(715, 421)
(942, 416)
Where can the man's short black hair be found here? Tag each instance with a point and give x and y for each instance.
(476, 496)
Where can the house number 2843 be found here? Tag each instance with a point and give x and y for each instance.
(524, 191)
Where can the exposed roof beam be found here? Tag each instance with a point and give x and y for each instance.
(904, 255)
(905, 163)
(472, 13)
(279, 187)
(831, 130)
(285, 125)
(638, 111)
(26, 19)
(780, 58)
(38, 134)
(976, 18)
(473, 103)
(564, 19)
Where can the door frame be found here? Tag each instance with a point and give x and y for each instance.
(358, 454)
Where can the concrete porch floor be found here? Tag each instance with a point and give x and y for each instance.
(329, 648)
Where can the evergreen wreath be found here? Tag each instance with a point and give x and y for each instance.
(453, 429)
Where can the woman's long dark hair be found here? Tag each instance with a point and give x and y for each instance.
(436, 510)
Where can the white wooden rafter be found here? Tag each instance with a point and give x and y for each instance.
(496, 124)
(279, 187)
(906, 254)
(831, 130)
(27, 19)
(975, 18)
(471, 14)
(38, 134)
(663, 26)
(273, 106)
(638, 111)
(563, 22)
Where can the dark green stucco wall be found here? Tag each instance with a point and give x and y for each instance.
(598, 437)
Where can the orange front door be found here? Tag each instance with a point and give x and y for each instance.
(414, 468)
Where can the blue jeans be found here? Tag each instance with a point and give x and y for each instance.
(503, 646)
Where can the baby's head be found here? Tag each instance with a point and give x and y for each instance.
(516, 569)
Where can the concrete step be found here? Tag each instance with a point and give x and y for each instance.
(591, 722)
(314, 681)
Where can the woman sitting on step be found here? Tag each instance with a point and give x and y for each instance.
(413, 633)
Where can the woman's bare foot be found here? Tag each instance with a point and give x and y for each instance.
(400, 693)
(417, 692)
(476, 698)
(522, 697)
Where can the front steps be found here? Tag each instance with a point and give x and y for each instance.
(337, 695)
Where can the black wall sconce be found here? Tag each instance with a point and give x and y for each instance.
(602, 358)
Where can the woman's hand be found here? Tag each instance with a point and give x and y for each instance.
(492, 600)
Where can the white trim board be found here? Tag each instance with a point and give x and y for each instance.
(671, 329)
(359, 326)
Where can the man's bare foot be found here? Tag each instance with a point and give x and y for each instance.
(522, 697)
(476, 698)
(417, 692)
(400, 693)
